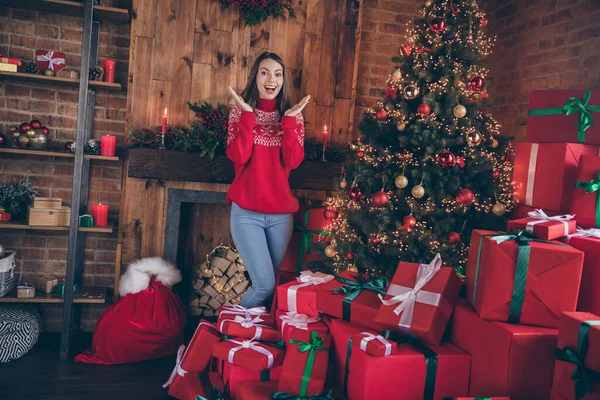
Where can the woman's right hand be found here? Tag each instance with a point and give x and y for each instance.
(243, 105)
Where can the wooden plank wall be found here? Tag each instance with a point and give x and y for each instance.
(192, 50)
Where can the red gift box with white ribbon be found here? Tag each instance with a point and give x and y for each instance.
(238, 322)
(544, 226)
(248, 354)
(55, 60)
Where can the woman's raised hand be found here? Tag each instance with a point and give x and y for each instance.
(243, 105)
(297, 109)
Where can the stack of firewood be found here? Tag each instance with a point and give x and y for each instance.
(221, 280)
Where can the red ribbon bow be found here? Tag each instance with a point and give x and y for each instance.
(391, 92)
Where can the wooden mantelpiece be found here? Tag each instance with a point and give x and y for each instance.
(174, 165)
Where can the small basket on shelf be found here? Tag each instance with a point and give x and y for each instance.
(8, 280)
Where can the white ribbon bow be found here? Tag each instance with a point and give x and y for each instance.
(177, 370)
(540, 216)
(297, 320)
(249, 344)
(52, 61)
(306, 278)
(243, 316)
(236, 309)
(369, 336)
(591, 233)
(406, 297)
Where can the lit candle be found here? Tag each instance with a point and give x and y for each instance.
(164, 122)
(107, 145)
(100, 214)
(325, 135)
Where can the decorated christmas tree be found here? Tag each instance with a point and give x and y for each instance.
(429, 166)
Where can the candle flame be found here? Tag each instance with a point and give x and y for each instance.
(165, 111)
(325, 127)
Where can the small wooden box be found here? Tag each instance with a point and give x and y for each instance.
(25, 292)
(46, 284)
(8, 67)
(68, 73)
(47, 202)
(50, 216)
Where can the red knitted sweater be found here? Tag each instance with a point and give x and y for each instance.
(264, 148)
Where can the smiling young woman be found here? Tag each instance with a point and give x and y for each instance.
(265, 141)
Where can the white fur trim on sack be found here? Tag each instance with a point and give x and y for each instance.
(138, 274)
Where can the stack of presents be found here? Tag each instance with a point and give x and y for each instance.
(523, 324)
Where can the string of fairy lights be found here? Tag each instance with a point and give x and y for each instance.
(479, 133)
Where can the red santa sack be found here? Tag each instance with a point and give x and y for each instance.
(145, 323)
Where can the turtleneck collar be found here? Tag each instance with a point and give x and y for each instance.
(266, 105)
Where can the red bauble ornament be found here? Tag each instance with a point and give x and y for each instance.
(423, 109)
(349, 255)
(446, 159)
(35, 124)
(45, 130)
(465, 197)
(375, 240)
(409, 221)
(496, 174)
(68, 146)
(355, 194)
(360, 154)
(24, 127)
(3, 141)
(484, 22)
(485, 95)
(380, 199)
(437, 24)
(330, 213)
(381, 115)
(454, 237)
(476, 83)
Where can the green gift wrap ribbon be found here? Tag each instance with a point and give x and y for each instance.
(354, 288)
(592, 187)
(315, 344)
(217, 394)
(289, 396)
(522, 269)
(307, 235)
(584, 378)
(574, 105)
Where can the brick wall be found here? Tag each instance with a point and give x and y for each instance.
(38, 252)
(541, 45)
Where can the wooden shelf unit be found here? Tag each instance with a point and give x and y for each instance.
(41, 297)
(22, 225)
(21, 76)
(55, 153)
(71, 8)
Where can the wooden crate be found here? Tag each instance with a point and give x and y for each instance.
(49, 216)
(47, 202)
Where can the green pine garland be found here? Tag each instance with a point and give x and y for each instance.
(257, 11)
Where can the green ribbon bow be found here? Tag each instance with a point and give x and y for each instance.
(584, 378)
(217, 394)
(521, 272)
(289, 396)
(307, 235)
(574, 105)
(592, 187)
(315, 344)
(354, 288)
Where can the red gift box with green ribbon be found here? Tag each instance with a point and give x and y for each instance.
(305, 365)
(506, 359)
(564, 116)
(481, 398)
(268, 390)
(353, 297)
(522, 280)
(586, 202)
(577, 368)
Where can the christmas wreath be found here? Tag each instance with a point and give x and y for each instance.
(257, 11)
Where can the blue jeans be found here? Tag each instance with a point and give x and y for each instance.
(262, 240)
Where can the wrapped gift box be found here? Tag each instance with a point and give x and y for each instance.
(522, 211)
(588, 241)
(424, 312)
(578, 341)
(248, 354)
(373, 345)
(55, 60)
(556, 396)
(301, 295)
(233, 375)
(287, 321)
(529, 283)
(544, 173)
(186, 387)
(305, 366)
(585, 196)
(544, 226)
(248, 327)
(506, 359)
(198, 353)
(547, 121)
(363, 308)
(252, 390)
(482, 398)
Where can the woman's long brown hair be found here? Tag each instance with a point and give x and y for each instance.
(250, 92)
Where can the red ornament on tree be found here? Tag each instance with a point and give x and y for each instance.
(35, 124)
(409, 221)
(476, 83)
(484, 22)
(375, 240)
(437, 24)
(381, 115)
(360, 154)
(496, 174)
(45, 130)
(355, 194)
(453, 238)
(485, 95)
(380, 199)
(330, 213)
(349, 255)
(423, 109)
(446, 159)
(465, 197)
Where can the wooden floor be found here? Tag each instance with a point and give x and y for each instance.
(40, 374)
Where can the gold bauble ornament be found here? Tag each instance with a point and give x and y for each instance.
(401, 181)
(396, 74)
(418, 191)
(343, 184)
(428, 3)
(410, 92)
(330, 251)
(30, 133)
(499, 209)
(353, 268)
(401, 126)
(494, 143)
(49, 72)
(474, 138)
(460, 111)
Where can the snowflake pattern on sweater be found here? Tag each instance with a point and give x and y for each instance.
(267, 130)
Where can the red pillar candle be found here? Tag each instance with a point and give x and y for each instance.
(325, 135)
(109, 71)
(100, 214)
(164, 122)
(107, 145)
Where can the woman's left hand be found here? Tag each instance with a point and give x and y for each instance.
(297, 109)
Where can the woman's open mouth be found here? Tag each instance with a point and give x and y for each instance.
(271, 89)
